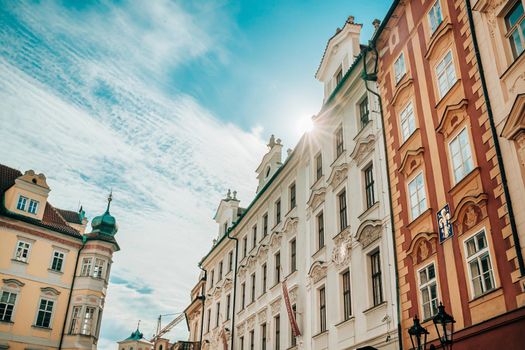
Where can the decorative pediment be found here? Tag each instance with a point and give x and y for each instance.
(338, 175)
(316, 197)
(452, 117)
(403, 90)
(275, 239)
(292, 293)
(13, 283)
(262, 252)
(342, 248)
(276, 306)
(251, 262)
(422, 246)
(290, 226)
(437, 38)
(217, 292)
(228, 284)
(491, 8)
(241, 327)
(317, 271)
(242, 271)
(50, 291)
(363, 147)
(411, 161)
(515, 123)
(368, 232)
(469, 212)
(262, 315)
(250, 322)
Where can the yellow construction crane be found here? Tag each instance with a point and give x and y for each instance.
(163, 330)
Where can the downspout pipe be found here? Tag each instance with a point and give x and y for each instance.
(202, 297)
(514, 229)
(71, 292)
(373, 77)
(234, 285)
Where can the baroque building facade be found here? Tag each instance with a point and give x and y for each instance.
(457, 241)
(320, 222)
(53, 274)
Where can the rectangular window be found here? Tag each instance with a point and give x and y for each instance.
(435, 16)
(277, 321)
(22, 201)
(22, 251)
(461, 155)
(252, 339)
(212, 278)
(243, 295)
(33, 206)
(479, 263)
(218, 314)
(58, 261)
(263, 336)
(277, 268)
(87, 323)
(377, 289)
(265, 224)
(241, 343)
(293, 339)
(254, 236)
(225, 227)
(400, 68)
(320, 230)
(339, 142)
(292, 196)
(230, 261)
(293, 255)
(418, 197)
(264, 278)
(343, 220)
(515, 22)
(208, 323)
(278, 211)
(45, 310)
(7, 305)
(86, 267)
(446, 74)
(253, 288)
(408, 121)
(322, 309)
(339, 76)
(220, 271)
(318, 166)
(244, 246)
(363, 112)
(428, 291)
(347, 297)
(75, 320)
(98, 269)
(369, 186)
(228, 304)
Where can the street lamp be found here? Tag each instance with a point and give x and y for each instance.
(417, 332)
(444, 324)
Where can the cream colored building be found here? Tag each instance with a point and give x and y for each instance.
(319, 220)
(53, 275)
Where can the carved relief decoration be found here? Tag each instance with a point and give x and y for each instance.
(368, 232)
(338, 175)
(262, 252)
(251, 262)
(342, 248)
(490, 7)
(452, 117)
(292, 294)
(317, 271)
(13, 283)
(469, 212)
(520, 147)
(515, 124)
(250, 322)
(403, 90)
(217, 292)
(276, 306)
(363, 147)
(241, 327)
(275, 240)
(411, 161)
(242, 271)
(50, 291)
(228, 284)
(422, 246)
(316, 197)
(262, 315)
(290, 226)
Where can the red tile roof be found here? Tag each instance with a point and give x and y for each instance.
(52, 218)
(70, 216)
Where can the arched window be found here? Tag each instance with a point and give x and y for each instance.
(160, 347)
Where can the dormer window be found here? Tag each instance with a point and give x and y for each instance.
(338, 76)
(267, 172)
(33, 206)
(22, 201)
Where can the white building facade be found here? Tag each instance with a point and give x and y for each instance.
(320, 221)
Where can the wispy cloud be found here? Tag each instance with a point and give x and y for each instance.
(84, 100)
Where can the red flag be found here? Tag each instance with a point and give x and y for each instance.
(293, 322)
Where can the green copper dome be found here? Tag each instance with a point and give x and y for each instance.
(105, 224)
(137, 335)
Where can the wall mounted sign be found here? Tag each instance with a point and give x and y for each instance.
(445, 226)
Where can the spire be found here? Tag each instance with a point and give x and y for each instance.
(138, 323)
(110, 198)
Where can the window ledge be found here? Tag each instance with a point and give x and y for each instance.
(318, 335)
(19, 261)
(479, 299)
(342, 155)
(513, 65)
(317, 182)
(9, 322)
(319, 252)
(55, 271)
(351, 318)
(368, 211)
(363, 129)
(42, 328)
(420, 218)
(466, 179)
(375, 307)
(291, 274)
(275, 285)
(448, 93)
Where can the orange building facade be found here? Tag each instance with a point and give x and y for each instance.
(455, 240)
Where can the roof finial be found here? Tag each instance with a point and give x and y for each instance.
(110, 198)
(229, 194)
(138, 325)
(234, 194)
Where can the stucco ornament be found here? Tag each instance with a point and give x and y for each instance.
(293, 294)
(471, 217)
(262, 315)
(316, 197)
(290, 226)
(262, 252)
(492, 14)
(228, 284)
(275, 240)
(338, 175)
(317, 271)
(250, 322)
(342, 248)
(520, 142)
(276, 306)
(368, 232)
(241, 327)
(242, 271)
(364, 146)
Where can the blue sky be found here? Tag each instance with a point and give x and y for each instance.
(167, 102)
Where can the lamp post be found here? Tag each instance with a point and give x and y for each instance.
(418, 335)
(444, 324)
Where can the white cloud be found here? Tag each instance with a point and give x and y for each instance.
(82, 99)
